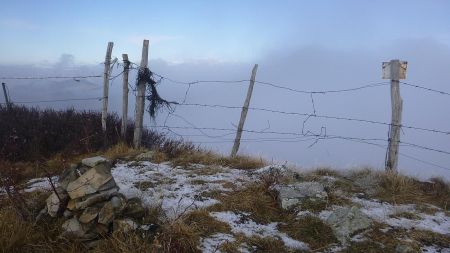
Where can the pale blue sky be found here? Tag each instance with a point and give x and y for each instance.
(306, 45)
(35, 31)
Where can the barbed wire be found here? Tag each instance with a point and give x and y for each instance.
(308, 134)
(425, 88)
(56, 100)
(305, 138)
(49, 77)
(318, 116)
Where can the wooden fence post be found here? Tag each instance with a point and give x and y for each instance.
(8, 103)
(394, 70)
(106, 87)
(140, 99)
(126, 68)
(237, 140)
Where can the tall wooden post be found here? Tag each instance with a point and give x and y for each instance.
(140, 99)
(8, 103)
(106, 86)
(237, 140)
(126, 68)
(394, 70)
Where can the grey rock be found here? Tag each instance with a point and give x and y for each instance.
(346, 221)
(293, 195)
(124, 225)
(147, 156)
(67, 214)
(108, 185)
(93, 161)
(73, 228)
(118, 203)
(404, 248)
(90, 182)
(56, 202)
(96, 198)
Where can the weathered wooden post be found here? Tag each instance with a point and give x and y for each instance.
(394, 70)
(106, 86)
(8, 103)
(140, 99)
(237, 140)
(126, 68)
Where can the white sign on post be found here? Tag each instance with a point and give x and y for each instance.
(395, 70)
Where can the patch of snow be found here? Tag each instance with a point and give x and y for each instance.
(172, 188)
(40, 184)
(434, 249)
(306, 213)
(381, 212)
(239, 223)
(212, 243)
(271, 168)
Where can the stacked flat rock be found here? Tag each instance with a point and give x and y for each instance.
(88, 197)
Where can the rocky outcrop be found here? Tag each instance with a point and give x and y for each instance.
(346, 221)
(293, 195)
(88, 197)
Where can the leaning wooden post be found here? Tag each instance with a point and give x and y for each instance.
(8, 103)
(126, 68)
(140, 99)
(394, 70)
(106, 86)
(237, 140)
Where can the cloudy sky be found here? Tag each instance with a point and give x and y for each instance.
(305, 45)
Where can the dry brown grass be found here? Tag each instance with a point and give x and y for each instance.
(399, 189)
(120, 242)
(254, 199)
(256, 243)
(309, 229)
(121, 150)
(378, 241)
(210, 158)
(17, 235)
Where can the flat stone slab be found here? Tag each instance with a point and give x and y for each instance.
(72, 227)
(54, 204)
(346, 221)
(106, 214)
(89, 214)
(93, 161)
(90, 182)
(294, 194)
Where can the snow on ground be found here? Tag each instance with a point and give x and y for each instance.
(212, 243)
(40, 184)
(241, 223)
(382, 211)
(432, 249)
(176, 189)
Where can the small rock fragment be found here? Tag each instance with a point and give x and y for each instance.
(93, 161)
(293, 195)
(124, 225)
(346, 221)
(73, 228)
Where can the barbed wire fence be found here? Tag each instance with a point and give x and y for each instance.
(267, 135)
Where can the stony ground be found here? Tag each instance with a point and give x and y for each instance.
(405, 227)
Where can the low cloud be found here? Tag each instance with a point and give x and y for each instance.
(305, 68)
